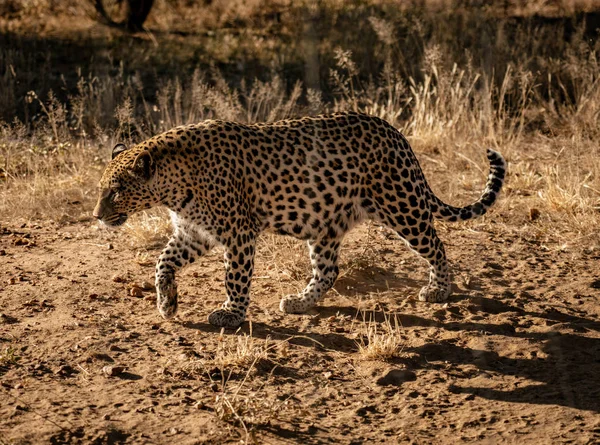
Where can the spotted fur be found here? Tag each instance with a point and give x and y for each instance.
(311, 178)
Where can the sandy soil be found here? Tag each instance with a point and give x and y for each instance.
(514, 357)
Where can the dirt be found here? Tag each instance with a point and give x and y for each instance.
(514, 356)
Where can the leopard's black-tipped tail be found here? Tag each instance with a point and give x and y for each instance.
(493, 186)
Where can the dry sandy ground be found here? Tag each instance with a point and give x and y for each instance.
(514, 357)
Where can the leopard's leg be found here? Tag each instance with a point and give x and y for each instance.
(239, 265)
(423, 240)
(183, 248)
(414, 224)
(324, 255)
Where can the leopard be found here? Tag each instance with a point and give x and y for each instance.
(313, 178)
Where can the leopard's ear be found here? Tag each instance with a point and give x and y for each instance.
(143, 166)
(118, 149)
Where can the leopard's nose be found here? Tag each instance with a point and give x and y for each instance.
(97, 212)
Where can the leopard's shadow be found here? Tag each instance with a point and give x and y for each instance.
(375, 279)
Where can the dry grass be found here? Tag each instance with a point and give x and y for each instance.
(379, 340)
(242, 350)
(537, 103)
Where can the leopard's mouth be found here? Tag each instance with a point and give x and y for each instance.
(115, 220)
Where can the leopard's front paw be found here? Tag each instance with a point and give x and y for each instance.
(166, 298)
(434, 294)
(223, 318)
(292, 304)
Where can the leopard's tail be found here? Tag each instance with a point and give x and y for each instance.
(494, 184)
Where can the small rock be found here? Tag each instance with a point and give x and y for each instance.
(328, 375)
(2, 252)
(214, 387)
(109, 246)
(118, 279)
(146, 285)
(106, 417)
(93, 296)
(396, 377)
(64, 371)
(18, 386)
(20, 408)
(113, 370)
(174, 431)
(136, 292)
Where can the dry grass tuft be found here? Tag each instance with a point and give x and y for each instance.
(379, 340)
(241, 350)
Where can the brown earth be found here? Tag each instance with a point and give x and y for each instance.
(513, 357)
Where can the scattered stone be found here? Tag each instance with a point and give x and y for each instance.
(328, 375)
(396, 377)
(199, 405)
(147, 285)
(24, 242)
(65, 371)
(93, 296)
(136, 292)
(109, 246)
(106, 417)
(113, 371)
(118, 279)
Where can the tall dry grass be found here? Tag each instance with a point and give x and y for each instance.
(535, 99)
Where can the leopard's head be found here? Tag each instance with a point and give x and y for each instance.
(127, 185)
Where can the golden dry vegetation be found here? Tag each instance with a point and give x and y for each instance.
(513, 354)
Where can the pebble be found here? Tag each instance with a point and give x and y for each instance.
(146, 285)
(136, 292)
(113, 370)
(118, 279)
